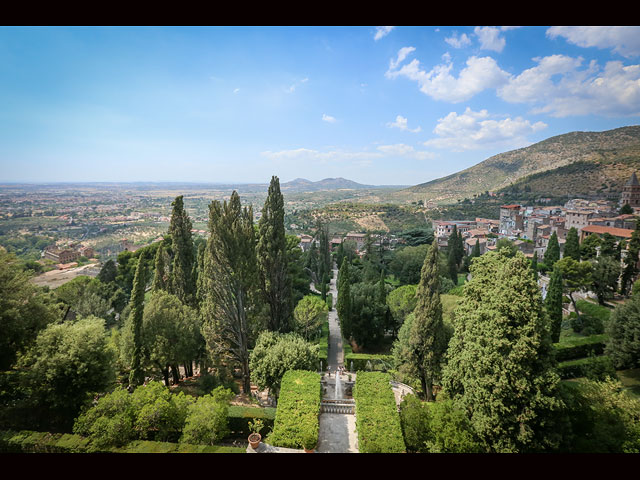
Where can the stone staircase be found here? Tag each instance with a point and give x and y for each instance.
(345, 406)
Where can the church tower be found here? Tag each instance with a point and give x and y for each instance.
(631, 192)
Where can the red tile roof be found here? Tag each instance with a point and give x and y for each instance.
(616, 232)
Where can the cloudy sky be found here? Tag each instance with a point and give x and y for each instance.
(378, 105)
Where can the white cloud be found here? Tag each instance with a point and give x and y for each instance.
(560, 86)
(402, 124)
(236, 90)
(360, 158)
(477, 130)
(622, 40)
(295, 85)
(328, 118)
(490, 38)
(382, 32)
(480, 73)
(406, 151)
(402, 54)
(458, 41)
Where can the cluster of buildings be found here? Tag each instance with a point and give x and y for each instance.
(531, 227)
(66, 256)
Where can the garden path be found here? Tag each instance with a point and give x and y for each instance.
(337, 432)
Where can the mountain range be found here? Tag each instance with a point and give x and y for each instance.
(579, 163)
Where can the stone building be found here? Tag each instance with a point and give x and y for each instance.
(631, 192)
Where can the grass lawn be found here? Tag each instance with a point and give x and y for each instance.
(631, 380)
(449, 303)
(595, 310)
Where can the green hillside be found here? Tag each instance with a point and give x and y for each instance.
(581, 162)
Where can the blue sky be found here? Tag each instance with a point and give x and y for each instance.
(378, 105)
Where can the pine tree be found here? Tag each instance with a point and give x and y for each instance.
(136, 376)
(552, 255)
(273, 265)
(572, 245)
(553, 304)
(500, 367)
(159, 278)
(427, 338)
(181, 275)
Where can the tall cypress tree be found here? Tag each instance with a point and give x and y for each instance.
(273, 265)
(343, 304)
(552, 255)
(451, 264)
(159, 277)
(476, 249)
(534, 266)
(553, 304)
(181, 277)
(136, 376)
(572, 245)
(427, 338)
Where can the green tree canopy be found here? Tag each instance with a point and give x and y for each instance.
(500, 368)
(572, 245)
(552, 255)
(274, 354)
(68, 363)
(308, 315)
(24, 311)
(623, 329)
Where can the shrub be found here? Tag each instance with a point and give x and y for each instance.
(377, 419)
(206, 422)
(587, 324)
(298, 409)
(580, 347)
(592, 367)
(366, 361)
(239, 418)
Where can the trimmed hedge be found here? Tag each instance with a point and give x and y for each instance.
(239, 418)
(587, 367)
(377, 362)
(298, 409)
(377, 418)
(26, 441)
(580, 347)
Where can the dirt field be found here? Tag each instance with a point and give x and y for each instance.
(55, 278)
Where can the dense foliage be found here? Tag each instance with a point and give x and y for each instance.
(298, 409)
(377, 420)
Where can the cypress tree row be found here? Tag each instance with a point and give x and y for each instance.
(427, 338)
(181, 277)
(136, 377)
(273, 261)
